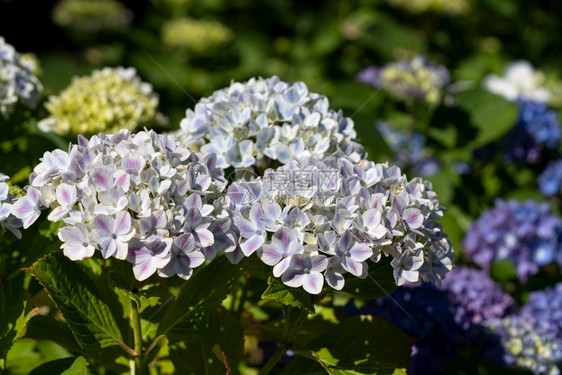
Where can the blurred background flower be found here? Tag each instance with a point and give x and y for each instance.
(409, 150)
(416, 79)
(450, 7)
(195, 36)
(92, 16)
(106, 101)
(528, 234)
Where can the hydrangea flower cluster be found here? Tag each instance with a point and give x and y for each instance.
(526, 233)
(537, 127)
(527, 346)
(451, 7)
(106, 101)
(443, 319)
(18, 82)
(92, 16)
(140, 197)
(409, 149)
(263, 120)
(315, 221)
(550, 181)
(7, 220)
(416, 79)
(475, 296)
(545, 307)
(195, 35)
(520, 81)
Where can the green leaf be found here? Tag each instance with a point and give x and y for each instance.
(79, 301)
(491, 114)
(503, 271)
(360, 348)
(15, 315)
(26, 354)
(42, 327)
(379, 282)
(200, 295)
(296, 297)
(64, 366)
(211, 350)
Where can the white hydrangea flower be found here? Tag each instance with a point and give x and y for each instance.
(332, 217)
(262, 120)
(140, 197)
(520, 81)
(17, 80)
(7, 220)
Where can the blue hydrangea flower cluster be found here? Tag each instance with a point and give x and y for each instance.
(409, 150)
(443, 319)
(550, 180)
(527, 345)
(17, 80)
(7, 220)
(526, 233)
(537, 128)
(263, 120)
(416, 79)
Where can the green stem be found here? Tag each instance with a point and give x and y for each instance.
(289, 336)
(137, 333)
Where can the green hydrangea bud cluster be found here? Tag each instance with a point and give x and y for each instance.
(195, 35)
(106, 101)
(92, 16)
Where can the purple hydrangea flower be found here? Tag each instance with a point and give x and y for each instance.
(477, 297)
(545, 306)
(284, 244)
(526, 233)
(352, 255)
(149, 256)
